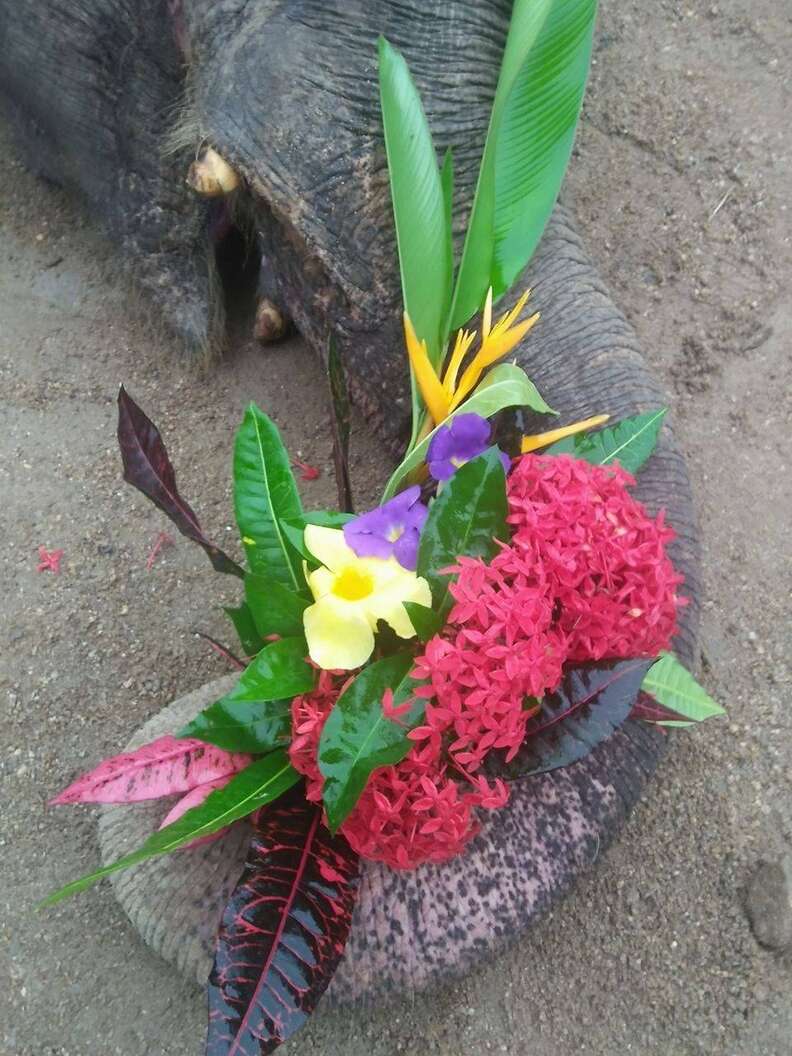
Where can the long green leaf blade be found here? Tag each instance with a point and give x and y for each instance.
(673, 685)
(357, 738)
(532, 125)
(506, 385)
(275, 608)
(629, 442)
(265, 491)
(259, 784)
(419, 207)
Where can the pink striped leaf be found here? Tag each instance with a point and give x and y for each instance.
(162, 768)
(194, 798)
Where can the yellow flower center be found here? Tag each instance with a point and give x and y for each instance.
(351, 584)
(395, 533)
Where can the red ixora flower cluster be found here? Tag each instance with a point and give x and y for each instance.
(410, 813)
(585, 577)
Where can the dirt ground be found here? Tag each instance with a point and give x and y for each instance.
(680, 182)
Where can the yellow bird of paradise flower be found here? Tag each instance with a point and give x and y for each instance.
(443, 396)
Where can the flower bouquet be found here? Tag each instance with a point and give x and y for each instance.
(504, 610)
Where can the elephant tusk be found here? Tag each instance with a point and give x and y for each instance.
(270, 324)
(211, 175)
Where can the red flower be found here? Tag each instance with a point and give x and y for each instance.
(604, 557)
(414, 812)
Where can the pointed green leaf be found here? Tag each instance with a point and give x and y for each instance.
(260, 783)
(426, 621)
(238, 724)
(673, 686)
(532, 127)
(264, 492)
(245, 626)
(465, 519)
(280, 670)
(294, 528)
(357, 738)
(275, 608)
(506, 385)
(419, 208)
(629, 442)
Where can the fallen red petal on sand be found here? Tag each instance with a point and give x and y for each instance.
(162, 540)
(49, 560)
(307, 472)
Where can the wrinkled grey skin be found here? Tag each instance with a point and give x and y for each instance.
(286, 91)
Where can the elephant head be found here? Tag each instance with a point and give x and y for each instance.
(117, 100)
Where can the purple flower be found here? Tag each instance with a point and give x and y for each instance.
(390, 530)
(453, 445)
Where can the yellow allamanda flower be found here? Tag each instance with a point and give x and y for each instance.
(351, 594)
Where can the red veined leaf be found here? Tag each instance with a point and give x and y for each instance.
(283, 931)
(651, 710)
(148, 468)
(194, 798)
(592, 701)
(161, 768)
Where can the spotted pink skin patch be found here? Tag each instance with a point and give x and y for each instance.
(162, 768)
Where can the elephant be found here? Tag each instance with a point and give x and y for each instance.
(269, 108)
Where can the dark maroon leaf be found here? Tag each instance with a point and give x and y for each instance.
(340, 421)
(650, 710)
(283, 931)
(592, 701)
(148, 468)
(222, 650)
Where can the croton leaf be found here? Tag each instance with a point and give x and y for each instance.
(148, 468)
(275, 608)
(629, 442)
(245, 626)
(648, 709)
(592, 701)
(161, 768)
(265, 491)
(193, 799)
(255, 715)
(357, 737)
(465, 519)
(283, 931)
(260, 783)
(671, 684)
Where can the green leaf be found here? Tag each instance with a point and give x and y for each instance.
(506, 385)
(264, 492)
(245, 626)
(237, 724)
(248, 718)
(275, 608)
(279, 670)
(357, 738)
(629, 442)
(419, 208)
(294, 527)
(426, 621)
(672, 685)
(447, 183)
(260, 783)
(465, 519)
(529, 141)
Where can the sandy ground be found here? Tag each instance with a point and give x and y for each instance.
(679, 182)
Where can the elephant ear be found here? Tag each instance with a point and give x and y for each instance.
(283, 931)
(529, 141)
